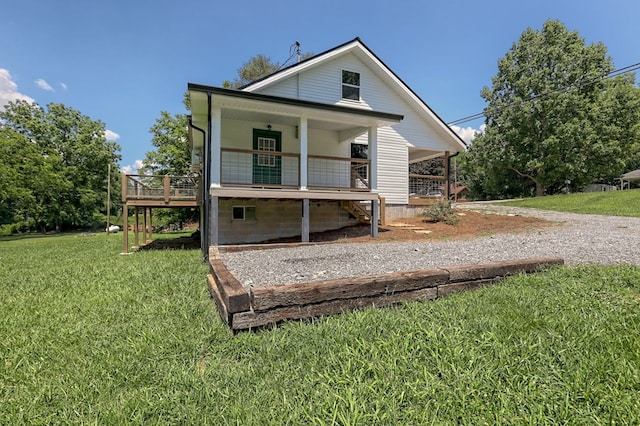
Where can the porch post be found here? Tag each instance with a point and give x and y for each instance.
(144, 225)
(304, 152)
(374, 218)
(125, 214)
(305, 220)
(150, 224)
(216, 145)
(125, 228)
(136, 228)
(373, 157)
(213, 221)
(373, 178)
(447, 181)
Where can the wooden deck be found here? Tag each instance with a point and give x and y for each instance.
(161, 191)
(244, 309)
(146, 192)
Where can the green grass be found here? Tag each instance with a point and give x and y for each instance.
(92, 337)
(610, 203)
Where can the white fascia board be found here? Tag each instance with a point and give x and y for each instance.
(413, 97)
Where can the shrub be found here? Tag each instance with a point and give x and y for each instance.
(441, 212)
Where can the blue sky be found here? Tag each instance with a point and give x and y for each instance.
(124, 61)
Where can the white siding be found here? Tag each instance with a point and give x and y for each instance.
(323, 83)
(393, 165)
(286, 88)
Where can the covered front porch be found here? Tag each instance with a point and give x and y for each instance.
(271, 164)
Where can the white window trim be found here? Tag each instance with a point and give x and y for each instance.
(342, 84)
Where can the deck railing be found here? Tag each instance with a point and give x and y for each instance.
(254, 168)
(160, 187)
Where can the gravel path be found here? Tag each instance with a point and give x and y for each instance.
(577, 238)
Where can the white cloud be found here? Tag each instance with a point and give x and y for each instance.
(44, 85)
(64, 86)
(9, 90)
(468, 134)
(132, 169)
(111, 135)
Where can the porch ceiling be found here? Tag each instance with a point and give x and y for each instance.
(416, 154)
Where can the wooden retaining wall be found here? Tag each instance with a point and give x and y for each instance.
(244, 309)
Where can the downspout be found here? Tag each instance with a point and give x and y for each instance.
(207, 183)
(205, 194)
(449, 174)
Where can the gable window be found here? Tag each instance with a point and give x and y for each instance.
(350, 85)
(243, 213)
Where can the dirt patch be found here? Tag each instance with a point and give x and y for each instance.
(471, 224)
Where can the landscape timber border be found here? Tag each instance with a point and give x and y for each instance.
(255, 307)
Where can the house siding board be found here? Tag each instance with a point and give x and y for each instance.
(286, 88)
(393, 166)
(323, 84)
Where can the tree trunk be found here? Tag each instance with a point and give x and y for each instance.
(540, 189)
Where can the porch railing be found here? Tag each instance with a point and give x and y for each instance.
(426, 186)
(160, 187)
(282, 170)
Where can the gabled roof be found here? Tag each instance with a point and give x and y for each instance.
(357, 47)
(635, 174)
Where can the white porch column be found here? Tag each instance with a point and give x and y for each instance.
(373, 156)
(373, 178)
(304, 152)
(216, 145)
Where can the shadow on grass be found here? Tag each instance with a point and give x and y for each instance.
(181, 242)
(37, 235)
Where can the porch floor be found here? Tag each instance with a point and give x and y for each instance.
(244, 308)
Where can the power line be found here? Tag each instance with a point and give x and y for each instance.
(611, 74)
(294, 50)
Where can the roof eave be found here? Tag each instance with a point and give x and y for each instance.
(378, 115)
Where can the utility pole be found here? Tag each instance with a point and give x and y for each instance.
(108, 198)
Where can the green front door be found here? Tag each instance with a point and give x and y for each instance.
(267, 167)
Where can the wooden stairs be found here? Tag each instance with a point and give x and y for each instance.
(362, 212)
(357, 210)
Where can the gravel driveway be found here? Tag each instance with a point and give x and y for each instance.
(577, 238)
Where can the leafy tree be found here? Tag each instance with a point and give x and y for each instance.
(551, 117)
(257, 67)
(172, 156)
(62, 179)
(432, 167)
(171, 139)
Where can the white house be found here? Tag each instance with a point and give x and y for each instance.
(309, 147)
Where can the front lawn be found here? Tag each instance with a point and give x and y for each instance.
(89, 336)
(609, 203)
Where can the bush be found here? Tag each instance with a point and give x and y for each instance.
(20, 227)
(441, 212)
